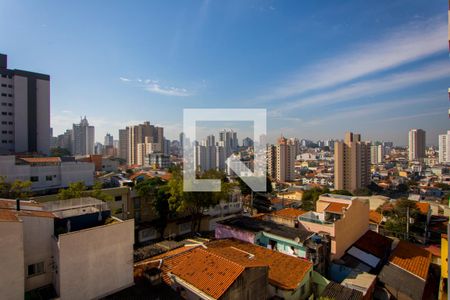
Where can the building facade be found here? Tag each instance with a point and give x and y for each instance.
(416, 144)
(281, 160)
(444, 148)
(136, 136)
(83, 138)
(25, 110)
(351, 163)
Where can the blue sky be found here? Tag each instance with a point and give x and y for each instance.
(319, 67)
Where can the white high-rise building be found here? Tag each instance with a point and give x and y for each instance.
(83, 138)
(376, 154)
(416, 144)
(444, 148)
(229, 140)
(25, 110)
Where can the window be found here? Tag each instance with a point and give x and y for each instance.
(118, 198)
(10, 123)
(10, 85)
(4, 113)
(4, 85)
(4, 131)
(34, 179)
(3, 94)
(10, 114)
(49, 178)
(4, 122)
(4, 104)
(10, 104)
(35, 269)
(9, 95)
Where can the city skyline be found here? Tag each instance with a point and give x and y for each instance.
(381, 72)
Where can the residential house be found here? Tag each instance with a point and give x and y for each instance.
(337, 291)
(297, 242)
(232, 269)
(345, 219)
(406, 273)
(72, 249)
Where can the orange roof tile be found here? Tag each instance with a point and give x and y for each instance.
(289, 213)
(7, 215)
(423, 207)
(412, 259)
(336, 207)
(41, 159)
(285, 272)
(375, 217)
(208, 272)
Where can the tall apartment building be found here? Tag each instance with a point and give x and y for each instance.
(141, 134)
(210, 155)
(444, 148)
(83, 138)
(65, 140)
(25, 110)
(123, 144)
(376, 154)
(109, 140)
(281, 160)
(416, 144)
(228, 139)
(351, 163)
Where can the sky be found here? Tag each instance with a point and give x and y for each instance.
(320, 68)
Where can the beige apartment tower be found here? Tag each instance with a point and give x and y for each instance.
(281, 160)
(138, 139)
(416, 144)
(351, 163)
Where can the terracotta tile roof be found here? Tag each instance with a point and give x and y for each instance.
(374, 243)
(375, 217)
(7, 215)
(423, 207)
(289, 213)
(208, 272)
(35, 160)
(337, 208)
(285, 272)
(411, 258)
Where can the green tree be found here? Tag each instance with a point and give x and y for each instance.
(310, 197)
(196, 202)
(75, 190)
(16, 189)
(59, 152)
(98, 193)
(341, 192)
(157, 192)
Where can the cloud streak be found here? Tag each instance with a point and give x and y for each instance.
(154, 86)
(415, 41)
(373, 87)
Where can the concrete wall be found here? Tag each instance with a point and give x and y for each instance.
(222, 232)
(37, 244)
(21, 113)
(43, 116)
(12, 275)
(95, 262)
(402, 284)
(252, 284)
(350, 228)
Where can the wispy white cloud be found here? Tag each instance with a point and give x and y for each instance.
(373, 110)
(374, 87)
(154, 86)
(415, 41)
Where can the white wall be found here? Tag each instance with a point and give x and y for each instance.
(37, 244)
(95, 262)
(11, 260)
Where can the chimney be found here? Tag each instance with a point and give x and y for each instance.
(3, 61)
(17, 204)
